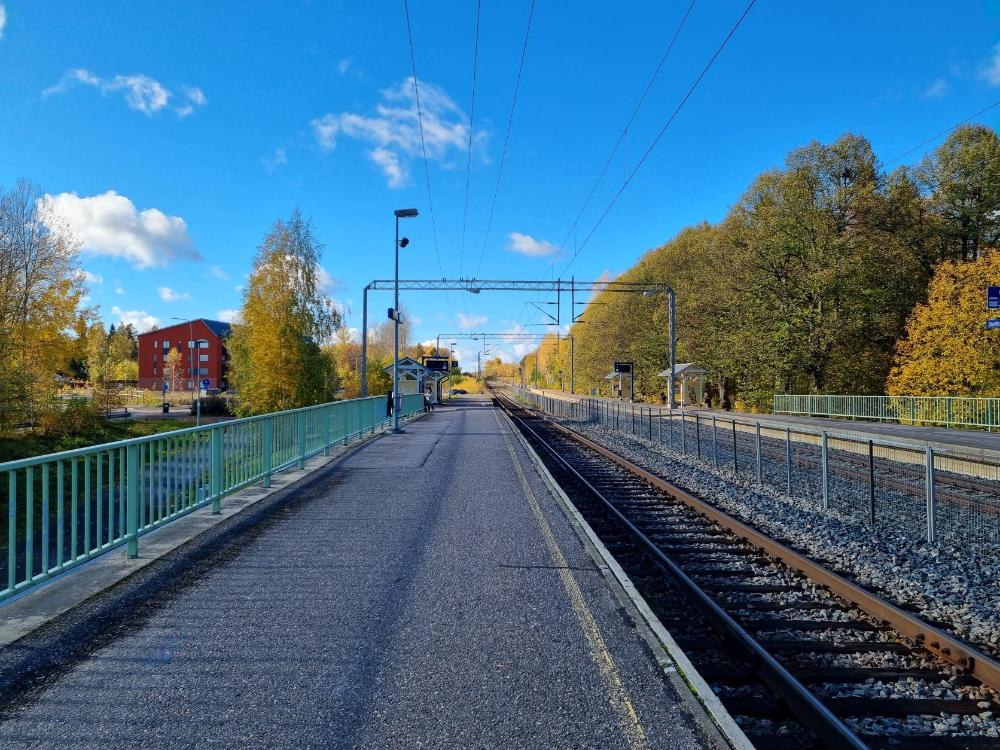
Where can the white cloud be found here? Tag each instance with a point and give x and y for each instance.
(525, 244)
(142, 93)
(169, 295)
(218, 273)
(471, 321)
(935, 89)
(992, 70)
(271, 163)
(343, 66)
(388, 161)
(92, 278)
(140, 319)
(228, 316)
(3, 19)
(394, 131)
(109, 224)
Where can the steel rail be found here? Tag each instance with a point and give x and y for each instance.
(946, 647)
(806, 707)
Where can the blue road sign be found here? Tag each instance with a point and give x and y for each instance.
(165, 386)
(993, 297)
(205, 383)
(993, 324)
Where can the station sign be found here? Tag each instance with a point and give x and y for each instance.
(623, 368)
(437, 364)
(993, 297)
(993, 324)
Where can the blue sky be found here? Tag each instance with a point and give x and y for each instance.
(171, 135)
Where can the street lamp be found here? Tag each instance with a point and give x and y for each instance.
(672, 300)
(400, 213)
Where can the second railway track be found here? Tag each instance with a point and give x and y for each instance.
(799, 656)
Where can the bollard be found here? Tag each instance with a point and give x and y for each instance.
(684, 448)
(132, 504)
(659, 426)
(759, 467)
(825, 455)
(266, 449)
(931, 499)
(216, 485)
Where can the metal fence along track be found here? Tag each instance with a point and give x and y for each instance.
(948, 411)
(66, 508)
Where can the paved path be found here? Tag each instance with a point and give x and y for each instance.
(420, 593)
(973, 440)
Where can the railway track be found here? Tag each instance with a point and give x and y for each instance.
(799, 656)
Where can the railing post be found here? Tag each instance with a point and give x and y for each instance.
(759, 467)
(697, 433)
(715, 443)
(736, 462)
(871, 482)
(216, 447)
(825, 454)
(132, 502)
(301, 417)
(266, 448)
(931, 498)
(684, 448)
(788, 460)
(327, 412)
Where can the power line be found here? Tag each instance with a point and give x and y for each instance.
(621, 138)
(472, 114)
(663, 130)
(423, 145)
(506, 140)
(943, 132)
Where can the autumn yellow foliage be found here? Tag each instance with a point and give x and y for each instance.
(947, 350)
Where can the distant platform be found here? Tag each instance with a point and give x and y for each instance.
(969, 441)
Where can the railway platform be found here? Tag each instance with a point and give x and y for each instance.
(424, 590)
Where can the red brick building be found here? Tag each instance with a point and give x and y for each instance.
(207, 358)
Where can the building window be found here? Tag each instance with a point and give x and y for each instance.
(203, 358)
(166, 345)
(156, 344)
(154, 369)
(155, 359)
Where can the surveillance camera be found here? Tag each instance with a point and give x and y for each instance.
(404, 242)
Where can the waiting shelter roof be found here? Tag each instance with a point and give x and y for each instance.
(685, 369)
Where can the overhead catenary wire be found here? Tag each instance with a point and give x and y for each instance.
(663, 130)
(472, 117)
(624, 133)
(933, 138)
(506, 140)
(423, 144)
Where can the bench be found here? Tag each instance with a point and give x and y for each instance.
(117, 414)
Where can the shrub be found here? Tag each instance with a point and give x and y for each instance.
(72, 418)
(213, 406)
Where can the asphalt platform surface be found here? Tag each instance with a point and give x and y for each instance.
(411, 595)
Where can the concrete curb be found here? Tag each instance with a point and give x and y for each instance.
(24, 614)
(703, 704)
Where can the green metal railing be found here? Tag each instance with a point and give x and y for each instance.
(66, 508)
(950, 411)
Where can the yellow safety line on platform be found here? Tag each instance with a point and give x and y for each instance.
(618, 697)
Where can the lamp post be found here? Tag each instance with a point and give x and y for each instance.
(451, 354)
(400, 213)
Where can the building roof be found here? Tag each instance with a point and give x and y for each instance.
(218, 327)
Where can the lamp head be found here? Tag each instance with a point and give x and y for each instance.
(405, 213)
(403, 242)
